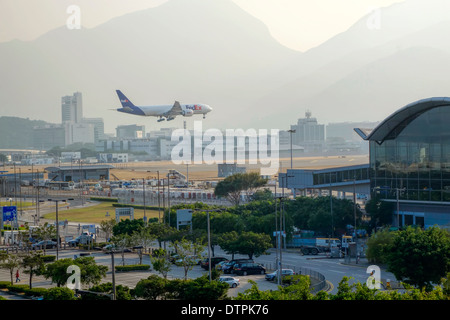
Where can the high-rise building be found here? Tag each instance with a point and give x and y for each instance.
(130, 131)
(49, 136)
(309, 133)
(72, 108)
(99, 127)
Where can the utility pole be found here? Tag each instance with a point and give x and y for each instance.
(143, 194)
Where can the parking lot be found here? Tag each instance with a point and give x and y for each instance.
(130, 279)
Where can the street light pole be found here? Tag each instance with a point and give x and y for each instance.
(143, 188)
(168, 194)
(56, 201)
(209, 245)
(291, 132)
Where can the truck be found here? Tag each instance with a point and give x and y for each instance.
(84, 238)
(314, 245)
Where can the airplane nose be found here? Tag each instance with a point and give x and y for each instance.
(209, 108)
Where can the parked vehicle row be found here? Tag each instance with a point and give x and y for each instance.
(285, 272)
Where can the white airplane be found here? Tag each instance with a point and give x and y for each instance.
(164, 112)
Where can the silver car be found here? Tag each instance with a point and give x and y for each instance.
(232, 282)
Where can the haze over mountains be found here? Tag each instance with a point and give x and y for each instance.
(212, 51)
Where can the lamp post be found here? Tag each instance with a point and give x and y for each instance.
(56, 201)
(291, 131)
(208, 226)
(159, 198)
(398, 207)
(143, 194)
(168, 194)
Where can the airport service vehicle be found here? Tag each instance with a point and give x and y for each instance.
(315, 245)
(284, 272)
(233, 282)
(164, 112)
(81, 239)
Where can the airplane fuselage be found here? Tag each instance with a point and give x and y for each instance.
(168, 112)
(161, 110)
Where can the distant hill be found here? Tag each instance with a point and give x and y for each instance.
(17, 133)
(208, 51)
(214, 52)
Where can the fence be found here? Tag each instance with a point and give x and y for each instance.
(318, 281)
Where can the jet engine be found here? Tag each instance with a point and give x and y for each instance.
(188, 113)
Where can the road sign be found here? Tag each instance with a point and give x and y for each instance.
(9, 213)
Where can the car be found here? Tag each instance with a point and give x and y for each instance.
(214, 260)
(248, 268)
(111, 247)
(233, 282)
(192, 260)
(221, 264)
(228, 268)
(47, 244)
(284, 272)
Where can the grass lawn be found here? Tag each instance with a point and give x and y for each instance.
(97, 213)
(24, 204)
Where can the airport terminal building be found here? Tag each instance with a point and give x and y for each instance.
(410, 162)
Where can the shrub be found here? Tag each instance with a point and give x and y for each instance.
(48, 258)
(59, 293)
(18, 288)
(292, 279)
(4, 284)
(36, 292)
(104, 199)
(133, 267)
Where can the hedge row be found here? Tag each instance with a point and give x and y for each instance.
(23, 288)
(104, 199)
(135, 206)
(133, 267)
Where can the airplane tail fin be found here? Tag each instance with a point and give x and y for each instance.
(126, 103)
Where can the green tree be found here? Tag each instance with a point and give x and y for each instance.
(10, 262)
(46, 232)
(377, 245)
(33, 264)
(91, 273)
(152, 288)
(380, 212)
(161, 263)
(143, 237)
(107, 227)
(229, 243)
(58, 293)
(162, 232)
(253, 244)
(127, 226)
(122, 292)
(263, 195)
(419, 257)
(189, 252)
(232, 187)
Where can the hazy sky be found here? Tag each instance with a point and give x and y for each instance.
(298, 24)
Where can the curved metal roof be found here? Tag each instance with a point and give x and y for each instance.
(412, 110)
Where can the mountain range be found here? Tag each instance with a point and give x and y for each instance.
(212, 51)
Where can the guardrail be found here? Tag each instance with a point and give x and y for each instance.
(318, 281)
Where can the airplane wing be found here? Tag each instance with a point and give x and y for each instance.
(174, 111)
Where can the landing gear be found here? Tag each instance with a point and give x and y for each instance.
(171, 118)
(204, 116)
(161, 119)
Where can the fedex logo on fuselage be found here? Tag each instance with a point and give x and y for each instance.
(194, 107)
